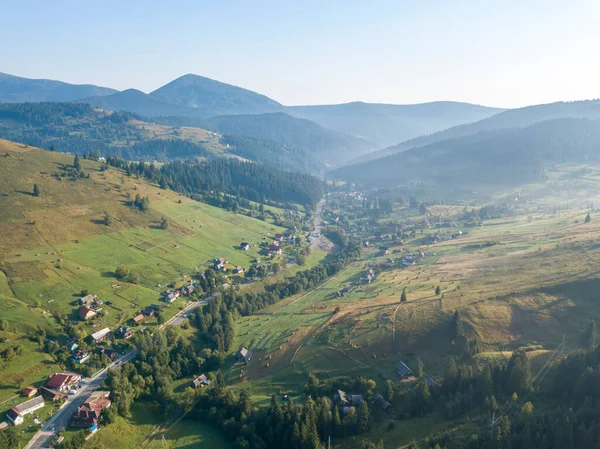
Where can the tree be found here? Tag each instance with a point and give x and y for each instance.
(458, 330)
(164, 223)
(3, 324)
(403, 297)
(364, 417)
(76, 164)
(588, 337)
(419, 370)
(36, 190)
(438, 290)
(107, 219)
(52, 148)
(588, 218)
(389, 391)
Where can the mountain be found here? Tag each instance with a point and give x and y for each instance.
(80, 128)
(388, 124)
(136, 101)
(501, 157)
(210, 97)
(323, 144)
(15, 89)
(511, 118)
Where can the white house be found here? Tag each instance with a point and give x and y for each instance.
(18, 412)
(101, 334)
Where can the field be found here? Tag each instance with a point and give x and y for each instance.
(521, 281)
(54, 246)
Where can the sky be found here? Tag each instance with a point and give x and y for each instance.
(503, 53)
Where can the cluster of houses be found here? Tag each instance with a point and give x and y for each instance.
(88, 415)
(369, 276)
(90, 305)
(169, 296)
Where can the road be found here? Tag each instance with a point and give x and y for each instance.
(60, 419)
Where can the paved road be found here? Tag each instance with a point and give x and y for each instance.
(60, 419)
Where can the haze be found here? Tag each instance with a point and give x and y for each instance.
(504, 54)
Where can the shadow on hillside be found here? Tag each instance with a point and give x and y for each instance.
(23, 192)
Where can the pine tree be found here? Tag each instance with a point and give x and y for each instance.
(164, 223)
(76, 164)
(107, 220)
(364, 417)
(389, 391)
(588, 218)
(52, 148)
(458, 330)
(403, 297)
(36, 190)
(437, 290)
(588, 337)
(419, 370)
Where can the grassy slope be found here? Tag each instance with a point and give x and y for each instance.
(64, 223)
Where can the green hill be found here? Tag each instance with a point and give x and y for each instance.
(56, 245)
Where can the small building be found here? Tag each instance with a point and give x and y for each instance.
(188, 289)
(110, 353)
(279, 237)
(101, 335)
(85, 313)
(88, 415)
(124, 332)
(432, 383)
(403, 370)
(344, 399)
(244, 355)
(80, 356)
(382, 403)
(63, 382)
(244, 246)
(200, 381)
(87, 300)
(149, 311)
(238, 270)
(72, 344)
(138, 318)
(29, 392)
(51, 395)
(17, 414)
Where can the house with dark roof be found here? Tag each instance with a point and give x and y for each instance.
(244, 246)
(89, 413)
(51, 395)
(404, 371)
(29, 392)
(124, 332)
(244, 355)
(85, 313)
(343, 399)
(382, 403)
(200, 381)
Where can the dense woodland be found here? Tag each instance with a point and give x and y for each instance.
(244, 179)
(507, 157)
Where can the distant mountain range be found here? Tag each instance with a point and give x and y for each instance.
(14, 89)
(200, 97)
(495, 157)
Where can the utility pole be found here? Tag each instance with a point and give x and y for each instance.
(329, 445)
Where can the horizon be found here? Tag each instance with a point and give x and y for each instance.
(509, 56)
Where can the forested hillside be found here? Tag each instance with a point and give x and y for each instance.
(209, 180)
(508, 119)
(502, 157)
(325, 145)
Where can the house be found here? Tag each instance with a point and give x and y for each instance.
(51, 395)
(385, 405)
(62, 382)
(18, 412)
(200, 381)
(138, 318)
(85, 313)
(29, 392)
(87, 300)
(149, 311)
(101, 335)
(80, 356)
(238, 270)
(404, 371)
(3, 426)
(219, 263)
(124, 332)
(244, 355)
(432, 383)
(72, 344)
(187, 290)
(110, 353)
(88, 415)
(244, 246)
(279, 237)
(344, 399)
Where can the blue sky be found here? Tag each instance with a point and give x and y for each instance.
(499, 53)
